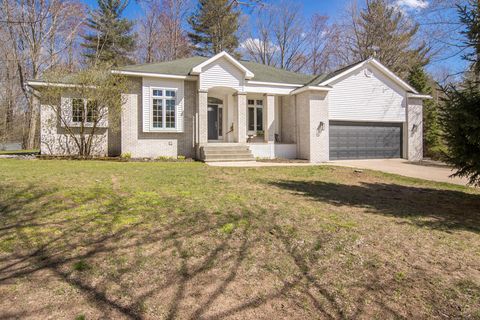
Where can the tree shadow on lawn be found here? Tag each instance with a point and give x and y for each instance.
(219, 267)
(424, 207)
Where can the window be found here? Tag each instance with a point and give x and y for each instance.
(255, 115)
(92, 111)
(251, 118)
(77, 110)
(259, 118)
(164, 109)
(220, 122)
(80, 107)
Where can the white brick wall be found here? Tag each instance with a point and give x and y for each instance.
(240, 115)
(155, 144)
(55, 140)
(287, 126)
(414, 130)
(319, 139)
(312, 109)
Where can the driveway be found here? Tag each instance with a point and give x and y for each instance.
(428, 170)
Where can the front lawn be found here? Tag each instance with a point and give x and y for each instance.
(114, 240)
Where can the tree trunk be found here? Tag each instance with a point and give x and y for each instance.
(31, 142)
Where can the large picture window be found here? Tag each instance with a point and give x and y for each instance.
(164, 108)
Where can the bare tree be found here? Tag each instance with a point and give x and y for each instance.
(89, 103)
(162, 37)
(321, 39)
(384, 31)
(39, 33)
(259, 44)
(289, 35)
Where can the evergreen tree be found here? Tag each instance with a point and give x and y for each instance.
(382, 31)
(214, 25)
(470, 18)
(460, 114)
(112, 40)
(431, 129)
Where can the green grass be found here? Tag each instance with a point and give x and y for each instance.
(184, 240)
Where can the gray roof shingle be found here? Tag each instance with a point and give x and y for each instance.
(182, 67)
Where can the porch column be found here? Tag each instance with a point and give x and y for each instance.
(414, 129)
(240, 117)
(269, 118)
(202, 117)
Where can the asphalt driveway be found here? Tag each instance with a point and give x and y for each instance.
(427, 170)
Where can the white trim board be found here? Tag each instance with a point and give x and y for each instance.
(198, 69)
(377, 64)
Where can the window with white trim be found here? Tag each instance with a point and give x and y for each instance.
(255, 115)
(82, 107)
(164, 114)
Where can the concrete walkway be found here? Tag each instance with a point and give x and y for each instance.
(433, 171)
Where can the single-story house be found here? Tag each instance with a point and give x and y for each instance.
(220, 108)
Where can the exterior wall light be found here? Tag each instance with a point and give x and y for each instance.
(320, 128)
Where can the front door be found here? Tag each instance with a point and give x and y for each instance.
(212, 122)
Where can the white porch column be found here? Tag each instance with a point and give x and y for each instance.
(269, 118)
(240, 117)
(414, 129)
(202, 125)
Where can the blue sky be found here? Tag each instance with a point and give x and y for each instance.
(335, 9)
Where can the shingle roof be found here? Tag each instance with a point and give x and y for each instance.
(182, 67)
(324, 77)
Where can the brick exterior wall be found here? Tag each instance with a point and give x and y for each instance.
(287, 125)
(313, 143)
(319, 139)
(155, 144)
(55, 140)
(240, 115)
(414, 130)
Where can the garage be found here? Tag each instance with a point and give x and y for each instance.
(355, 140)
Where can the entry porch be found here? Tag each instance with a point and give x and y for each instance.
(230, 121)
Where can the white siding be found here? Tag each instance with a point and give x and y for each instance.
(147, 85)
(271, 88)
(222, 73)
(357, 97)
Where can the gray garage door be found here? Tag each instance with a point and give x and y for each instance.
(349, 140)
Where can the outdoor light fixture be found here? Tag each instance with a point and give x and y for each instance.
(320, 128)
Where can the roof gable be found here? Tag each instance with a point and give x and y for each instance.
(198, 69)
(331, 77)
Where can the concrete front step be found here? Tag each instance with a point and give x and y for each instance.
(230, 160)
(220, 153)
(229, 156)
(213, 152)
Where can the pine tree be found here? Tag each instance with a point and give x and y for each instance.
(383, 31)
(432, 142)
(460, 113)
(214, 25)
(112, 40)
(470, 18)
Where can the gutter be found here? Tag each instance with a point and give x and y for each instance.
(419, 96)
(311, 88)
(153, 75)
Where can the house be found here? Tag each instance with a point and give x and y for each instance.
(220, 108)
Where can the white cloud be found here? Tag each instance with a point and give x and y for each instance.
(258, 45)
(412, 4)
